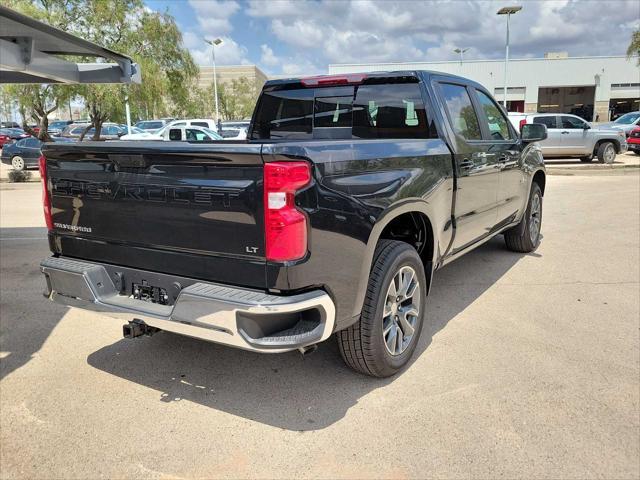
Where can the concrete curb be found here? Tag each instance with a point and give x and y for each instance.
(599, 166)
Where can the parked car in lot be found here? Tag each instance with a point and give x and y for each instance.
(234, 130)
(332, 219)
(626, 122)
(150, 125)
(55, 128)
(9, 125)
(571, 136)
(109, 131)
(172, 133)
(25, 152)
(8, 135)
(634, 140)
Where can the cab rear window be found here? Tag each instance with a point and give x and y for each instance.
(364, 111)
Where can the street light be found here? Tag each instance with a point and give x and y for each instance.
(508, 11)
(213, 44)
(461, 52)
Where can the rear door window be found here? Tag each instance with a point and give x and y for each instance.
(549, 121)
(175, 134)
(462, 115)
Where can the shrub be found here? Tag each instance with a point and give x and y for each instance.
(19, 176)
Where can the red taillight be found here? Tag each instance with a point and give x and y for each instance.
(326, 80)
(46, 200)
(285, 226)
(522, 122)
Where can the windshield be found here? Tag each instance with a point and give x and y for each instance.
(628, 118)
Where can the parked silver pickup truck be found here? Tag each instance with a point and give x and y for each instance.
(571, 136)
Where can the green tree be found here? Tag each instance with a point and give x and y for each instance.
(36, 102)
(151, 39)
(634, 46)
(237, 99)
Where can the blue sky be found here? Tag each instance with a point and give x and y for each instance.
(304, 36)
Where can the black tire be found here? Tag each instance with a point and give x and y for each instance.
(519, 238)
(604, 152)
(586, 159)
(362, 345)
(637, 152)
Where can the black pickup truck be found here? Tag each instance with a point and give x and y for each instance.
(350, 192)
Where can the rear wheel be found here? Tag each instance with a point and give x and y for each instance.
(525, 237)
(17, 163)
(606, 152)
(385, 337)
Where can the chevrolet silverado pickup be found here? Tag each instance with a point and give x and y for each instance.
(330, 219)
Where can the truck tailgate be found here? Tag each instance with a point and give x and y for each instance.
(179, 208)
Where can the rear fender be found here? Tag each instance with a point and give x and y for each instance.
(406, 206)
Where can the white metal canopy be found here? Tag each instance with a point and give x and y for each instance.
(28, 50)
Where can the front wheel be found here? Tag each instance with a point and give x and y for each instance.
(525, 237)
(606, 152)
(17, 163)
(385, 337)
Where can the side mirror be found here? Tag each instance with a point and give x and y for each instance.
(586, 126)
(533, 132)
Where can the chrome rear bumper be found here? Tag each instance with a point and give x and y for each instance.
(247, 319)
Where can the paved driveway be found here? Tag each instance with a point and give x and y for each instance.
(529, 368)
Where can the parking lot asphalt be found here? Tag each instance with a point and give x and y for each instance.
(528, 367)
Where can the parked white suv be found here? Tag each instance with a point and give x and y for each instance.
(571, 136)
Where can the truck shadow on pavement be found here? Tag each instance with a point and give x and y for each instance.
(287, 390)
(26, 317)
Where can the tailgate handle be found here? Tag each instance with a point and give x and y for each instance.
(135, 161)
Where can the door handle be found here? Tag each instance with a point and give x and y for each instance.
(564, 132)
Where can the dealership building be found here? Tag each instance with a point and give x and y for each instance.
(595, 88)
(226, 74)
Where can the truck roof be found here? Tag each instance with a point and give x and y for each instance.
(359, 77)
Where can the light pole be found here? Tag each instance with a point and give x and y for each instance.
(461, 52)
(213, 44)
(127, 111)
(508, 11)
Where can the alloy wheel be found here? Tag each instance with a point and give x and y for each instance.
(535, 218)
(401, 311)
(609, 154)
(17, 163)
